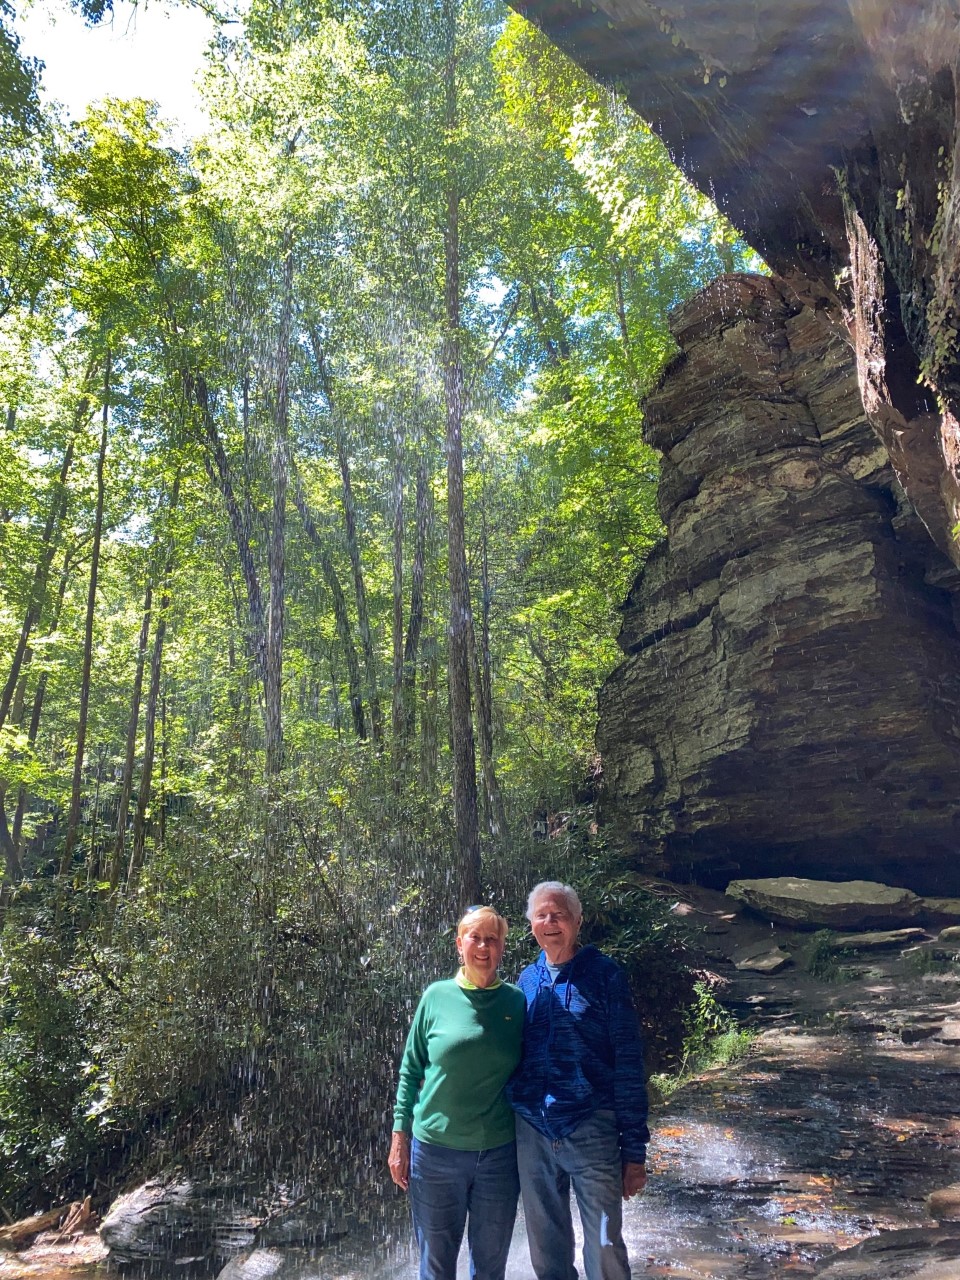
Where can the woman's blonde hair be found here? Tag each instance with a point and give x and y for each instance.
(473, 914)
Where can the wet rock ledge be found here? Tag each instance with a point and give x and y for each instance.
(790, 698)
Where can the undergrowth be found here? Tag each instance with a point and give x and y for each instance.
(823, 961)
(713, 1038)
(933, 961)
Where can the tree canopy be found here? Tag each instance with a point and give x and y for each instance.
(321, 479)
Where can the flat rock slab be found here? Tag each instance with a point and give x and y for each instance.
(941, 910)
(916, 1032)
(898, 1255)
(879, 940)
(766, 960)
(826, 904)
(944, 1204)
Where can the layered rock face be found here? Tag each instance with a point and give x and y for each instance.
(790, 700)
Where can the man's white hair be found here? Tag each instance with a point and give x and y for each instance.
(556, 890)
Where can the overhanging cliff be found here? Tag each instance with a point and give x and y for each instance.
(827, 130)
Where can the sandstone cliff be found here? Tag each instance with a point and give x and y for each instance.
(790, 700)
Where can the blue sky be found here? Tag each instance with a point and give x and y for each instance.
(151, 50)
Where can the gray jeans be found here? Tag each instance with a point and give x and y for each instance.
(589, 1162)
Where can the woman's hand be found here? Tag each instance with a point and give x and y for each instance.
(398, 1161)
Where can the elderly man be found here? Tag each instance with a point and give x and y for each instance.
(579, 1095)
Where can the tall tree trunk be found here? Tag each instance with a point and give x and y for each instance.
(483, 683)
(397, 627)
(118, 858)
(219, 470)
(39, 696)
(353, 545)
(350, 524)
(139, 840)
(411, 647)
(335, 695)
(273, 673)
(461, 614)
(162, 790)
(341, 617)
(94, 855)
(48, 547)
(12, 870)
(429, 731)
(133, 720)
(363, 612)
(76, 794)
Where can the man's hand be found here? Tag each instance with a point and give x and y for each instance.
(634, 1179)
(398, 1161)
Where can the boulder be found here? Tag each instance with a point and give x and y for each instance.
(825, 904)
(790, 688)
(917, 1032)
(175, 1219)
(950, 934)
(168, 1219)
(914, 1254)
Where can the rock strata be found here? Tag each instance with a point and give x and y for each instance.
(790, 698)
(941, 911)
(828, 133)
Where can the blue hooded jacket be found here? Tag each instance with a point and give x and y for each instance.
(582, 1051)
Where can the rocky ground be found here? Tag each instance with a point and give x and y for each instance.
(837, 1126)
(813, 1156)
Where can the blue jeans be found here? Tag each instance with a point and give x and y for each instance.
(589, 1161)
(449, 1188)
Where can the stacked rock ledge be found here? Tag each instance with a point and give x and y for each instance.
(790, 698)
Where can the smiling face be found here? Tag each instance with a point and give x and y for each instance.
(480, 943)
(554, 926)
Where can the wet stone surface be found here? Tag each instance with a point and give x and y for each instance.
(831, 1131)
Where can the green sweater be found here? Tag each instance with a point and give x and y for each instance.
(463, 1047)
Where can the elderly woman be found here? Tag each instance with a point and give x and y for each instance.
(462, 1161)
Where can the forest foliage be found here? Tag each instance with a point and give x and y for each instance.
(321, 479)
